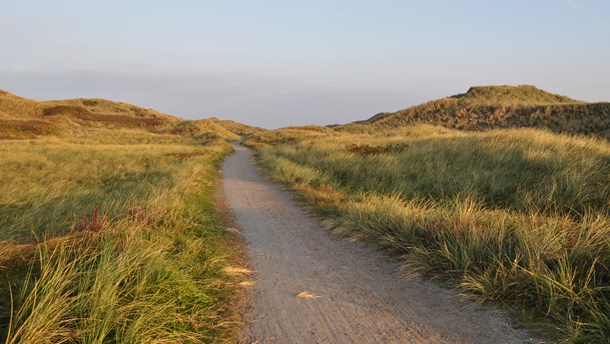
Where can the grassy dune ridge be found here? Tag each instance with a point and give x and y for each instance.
(517, 217)
(489, 107)
(22, 118)
(115, 235)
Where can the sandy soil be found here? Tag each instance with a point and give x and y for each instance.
(311, 286)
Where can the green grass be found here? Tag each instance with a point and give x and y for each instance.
(514, 217)
(114, 238)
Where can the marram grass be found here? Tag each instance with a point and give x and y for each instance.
(515, 217)
(113, 240)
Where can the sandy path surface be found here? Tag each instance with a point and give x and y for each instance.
(357, 295)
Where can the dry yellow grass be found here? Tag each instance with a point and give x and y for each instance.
(26, 118)
(237, 271)
(117, 241)
(488, 107)
(307, 295)
(517, 217)
(110, 229)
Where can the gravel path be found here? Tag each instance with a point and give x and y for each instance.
(314, 287)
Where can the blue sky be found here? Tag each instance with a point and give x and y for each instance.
(278, 63)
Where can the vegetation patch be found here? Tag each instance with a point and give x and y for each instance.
(492, 107)
(66, 110)
(14, 128)
(83, 114)
(122, 120)
(114, 242)
(90, 102)
(183, 156)
(8, 137)
(514, 217)
(26, 118)
(366, 150)
(111, 230)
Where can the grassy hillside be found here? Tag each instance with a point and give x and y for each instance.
(512, 95)
(15, 107)
(215, 128)
(285, 135)
(487, 107)
(203, 128)
(236, 127)
(26, 118)
(517, 217)
(111, 229)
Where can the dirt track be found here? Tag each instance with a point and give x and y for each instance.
(355, 294)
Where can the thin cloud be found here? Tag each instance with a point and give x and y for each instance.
(587, 13)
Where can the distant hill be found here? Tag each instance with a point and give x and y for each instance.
(512, 95)
(203, 127)
(373, 119)
(236, 127)
(487, 107)
(26, 118)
